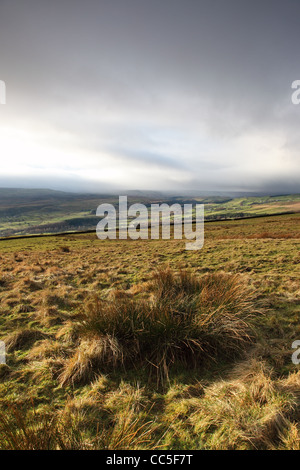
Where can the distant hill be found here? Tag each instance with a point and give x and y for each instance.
(30, 194)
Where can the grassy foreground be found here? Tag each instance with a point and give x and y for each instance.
(144, 345)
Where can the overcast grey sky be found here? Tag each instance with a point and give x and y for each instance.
(150, 94)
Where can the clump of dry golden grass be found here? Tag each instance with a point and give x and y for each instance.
(130, 433)
(69, 332)
(88, 358)
(27, 429)
(48, 316)
(22, 431)
(187, 320)
(22, 338)
(46, 349)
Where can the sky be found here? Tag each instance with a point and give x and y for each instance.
(107, 95)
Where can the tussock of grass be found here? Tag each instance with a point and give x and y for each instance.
(289, 437)
(20, 431)
(130, 433)
(22, 338)
(48, 316)
(31, 284)
(188, 320)
(46, 349)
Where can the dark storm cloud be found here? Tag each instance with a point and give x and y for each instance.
(161, 93)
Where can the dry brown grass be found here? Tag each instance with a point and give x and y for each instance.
(26, 429)
(22, 338)
(89, 356)
(47, 349)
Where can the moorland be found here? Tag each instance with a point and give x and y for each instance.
(141, 344)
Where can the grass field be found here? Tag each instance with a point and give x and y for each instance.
(141, 344)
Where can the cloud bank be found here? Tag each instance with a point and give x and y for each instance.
(150, 95)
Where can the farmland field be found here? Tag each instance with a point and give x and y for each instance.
(73, 381)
